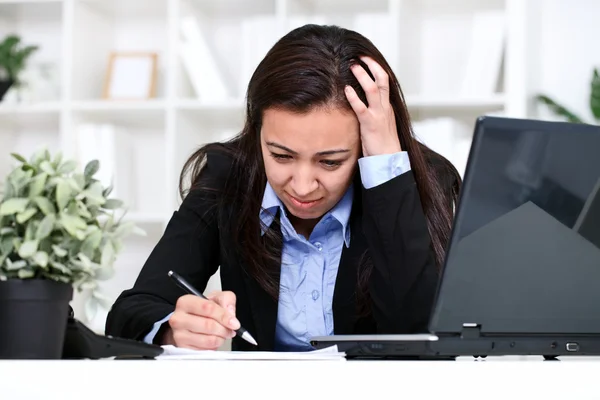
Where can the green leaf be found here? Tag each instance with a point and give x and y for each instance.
(94, 194)
(37, 157)
(10, 190)
(26, 215)
(72, 224)
(107, 191)
(63, 194)
(91, 243)
(74, 184)
(18, 157)
(25, 273)
(13, 266)
(67, 167)
(45, 228)
(57, 277)
(595, 95)
(559, 109)
(45, 205)
(108, 255)
(13, 206)
(124, 229)
(61, 267)
(41, 259)
(30, 229)
(104, 273)
(57, 158)
(112, 204)
(139, 231)
(90, 169)
(80, 180)
(59, 251)
(47, 167)
(17, 242)
(6, 245)
(83, 211)
(28, 248)
(37, 185)
(73, 209)
(6, 231)
(86, 262)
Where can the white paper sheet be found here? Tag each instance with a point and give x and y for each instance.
(177, 353)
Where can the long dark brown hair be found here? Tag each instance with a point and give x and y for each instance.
(309, 67)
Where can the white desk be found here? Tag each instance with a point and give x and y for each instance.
(495, 378)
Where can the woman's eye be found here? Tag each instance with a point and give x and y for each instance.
(331, 163)
(281, 156)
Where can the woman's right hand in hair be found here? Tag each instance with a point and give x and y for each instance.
(202, 324)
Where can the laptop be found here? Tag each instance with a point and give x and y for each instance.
(522, 270)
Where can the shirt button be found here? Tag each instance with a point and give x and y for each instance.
(319, 246)
(315, 295)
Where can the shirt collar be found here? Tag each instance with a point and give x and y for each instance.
(341, 211)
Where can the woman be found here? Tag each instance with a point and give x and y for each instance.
(324, 214)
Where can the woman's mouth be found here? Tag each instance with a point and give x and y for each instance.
(304, 204)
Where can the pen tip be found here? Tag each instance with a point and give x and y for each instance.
(249, 338)
(170, 273)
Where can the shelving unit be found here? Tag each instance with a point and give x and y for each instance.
(426, 42)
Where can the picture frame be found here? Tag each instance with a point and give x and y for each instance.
(131, 76)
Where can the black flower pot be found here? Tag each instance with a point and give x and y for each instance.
(33, 318)
(4, 86)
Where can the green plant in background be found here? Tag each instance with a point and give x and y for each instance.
(13, 57)
(58, 223)
(562, 111)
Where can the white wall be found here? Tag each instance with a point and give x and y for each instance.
(568, 51)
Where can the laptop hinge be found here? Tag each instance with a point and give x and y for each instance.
(470, 330)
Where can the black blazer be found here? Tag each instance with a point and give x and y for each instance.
(388, 220)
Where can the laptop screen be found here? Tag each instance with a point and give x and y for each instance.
(525, 252)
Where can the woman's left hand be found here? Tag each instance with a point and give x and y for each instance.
(377, 123)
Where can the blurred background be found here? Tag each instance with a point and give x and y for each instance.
(140, 84)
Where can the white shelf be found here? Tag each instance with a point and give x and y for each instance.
(233, 7)
(21, 4)
(34, 108)
(31, 116)
(118, 106)
(456, 103)
(333, 7)
(128, 8)
(142, 114)
(199, 105)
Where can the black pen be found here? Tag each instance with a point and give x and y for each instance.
(182, 283)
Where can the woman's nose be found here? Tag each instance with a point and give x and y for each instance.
(304, 183)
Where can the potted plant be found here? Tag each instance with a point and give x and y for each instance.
(13, 58)
(58, 232)
(564, 112)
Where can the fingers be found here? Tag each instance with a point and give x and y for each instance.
(197, 341)
(368, 85)
(199, 325)
(209, 309)
(225, 299)
(355, 102)
(378, 91)
(381, 79)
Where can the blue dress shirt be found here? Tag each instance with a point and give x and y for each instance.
(309, 266)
